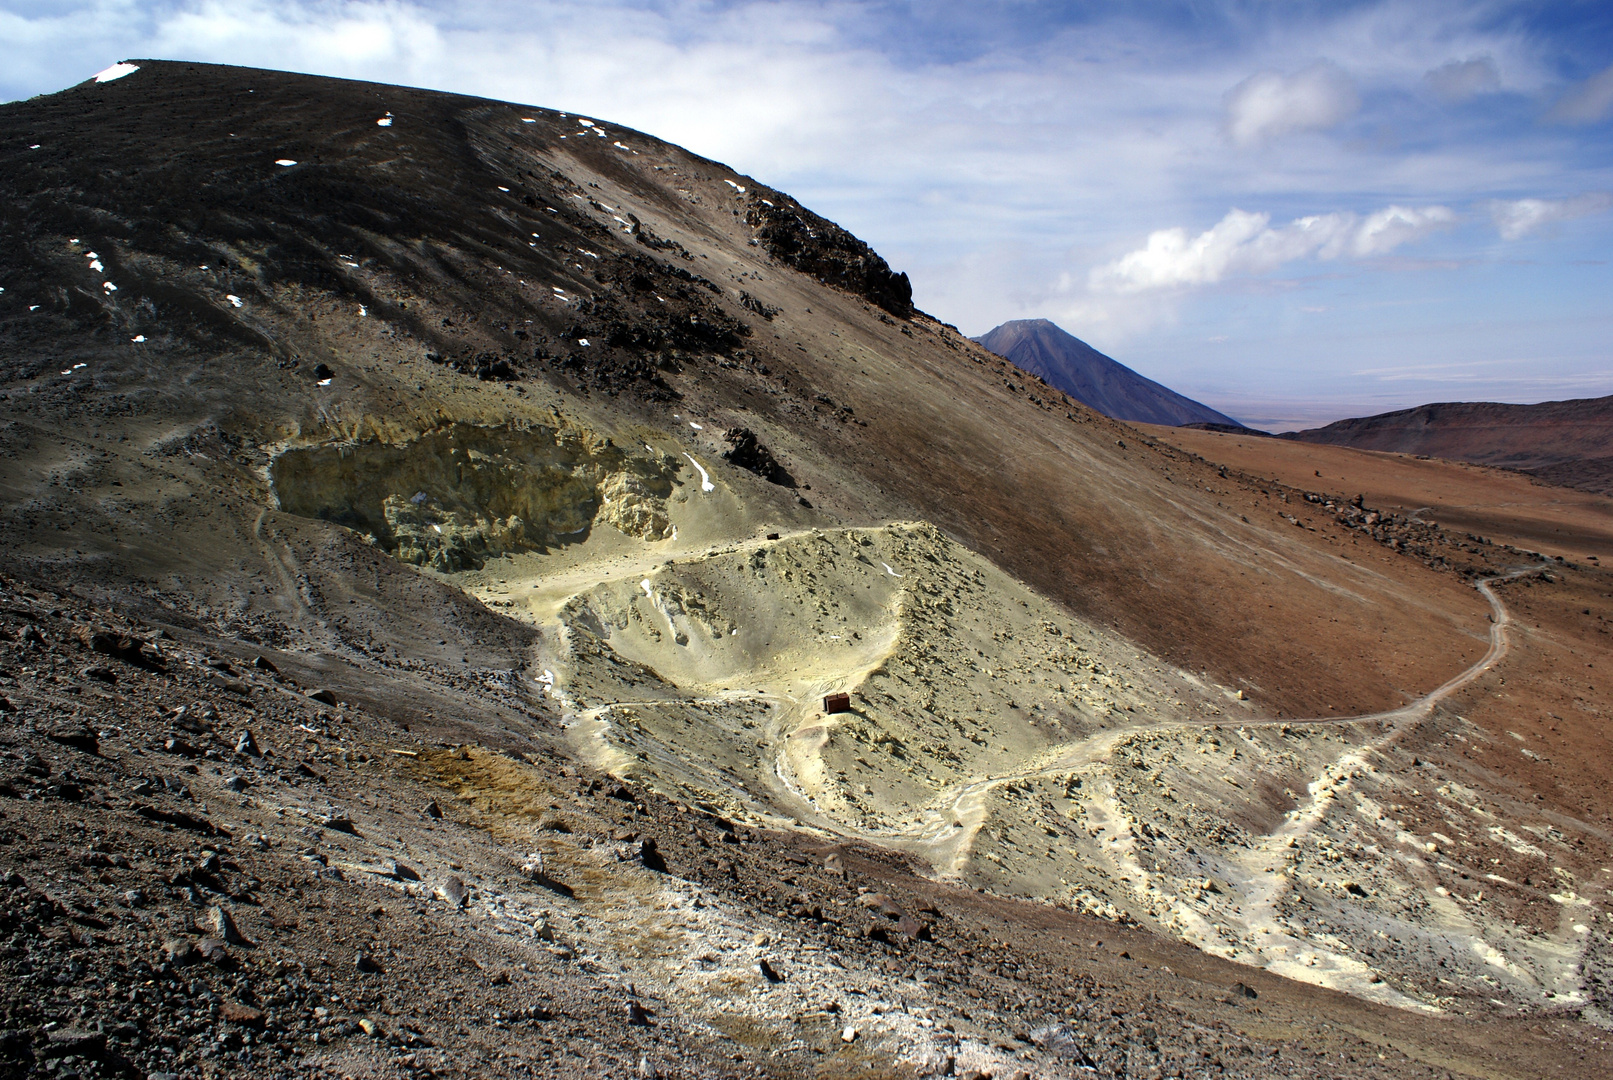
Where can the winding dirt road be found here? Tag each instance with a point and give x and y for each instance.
(950, 844)
(947, 833)
(1250, 928)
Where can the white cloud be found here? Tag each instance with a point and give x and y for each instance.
(1461, 80)
(359, 36)
(1242, 244)
(1269, 104)
(1515, 218)
(1393, 226)
(1588, 103)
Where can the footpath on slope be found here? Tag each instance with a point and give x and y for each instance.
(771, 761)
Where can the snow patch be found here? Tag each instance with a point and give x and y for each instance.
(705, 480)
(582, 341)
(284, 162)
(235, 301)
(109, 287)
(385, 121)
(889, 571)
(324, 382)
(138, 339)
(697, 427)
(116, 71)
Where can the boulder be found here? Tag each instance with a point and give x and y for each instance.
(452, 891)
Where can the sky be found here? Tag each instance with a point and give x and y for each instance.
(1292, 211)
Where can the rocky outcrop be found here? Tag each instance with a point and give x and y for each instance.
(747, 451)
(814, 245)
(452, 499)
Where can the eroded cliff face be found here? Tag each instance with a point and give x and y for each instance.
(454, 498)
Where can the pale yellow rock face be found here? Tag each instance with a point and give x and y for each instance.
(451, 499)
(636, 504)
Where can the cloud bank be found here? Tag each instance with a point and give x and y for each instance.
(1243, 244)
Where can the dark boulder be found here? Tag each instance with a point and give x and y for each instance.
(747, 451)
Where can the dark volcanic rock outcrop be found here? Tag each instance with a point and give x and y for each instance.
(204, 215)
(814, 245)
(1095, 380)
(746, 451)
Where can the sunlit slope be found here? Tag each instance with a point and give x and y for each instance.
(706, 674)
(395, 278)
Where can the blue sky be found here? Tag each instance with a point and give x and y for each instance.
(1292, 211)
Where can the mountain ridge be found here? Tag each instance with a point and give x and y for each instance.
(1562, 442)
(1100, 382)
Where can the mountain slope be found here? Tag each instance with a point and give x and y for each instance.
(1073, 366)
(412, 260)
(574, 472)
(1562, 442)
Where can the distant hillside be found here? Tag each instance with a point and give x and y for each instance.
(1112, 388)
(1561, 442)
